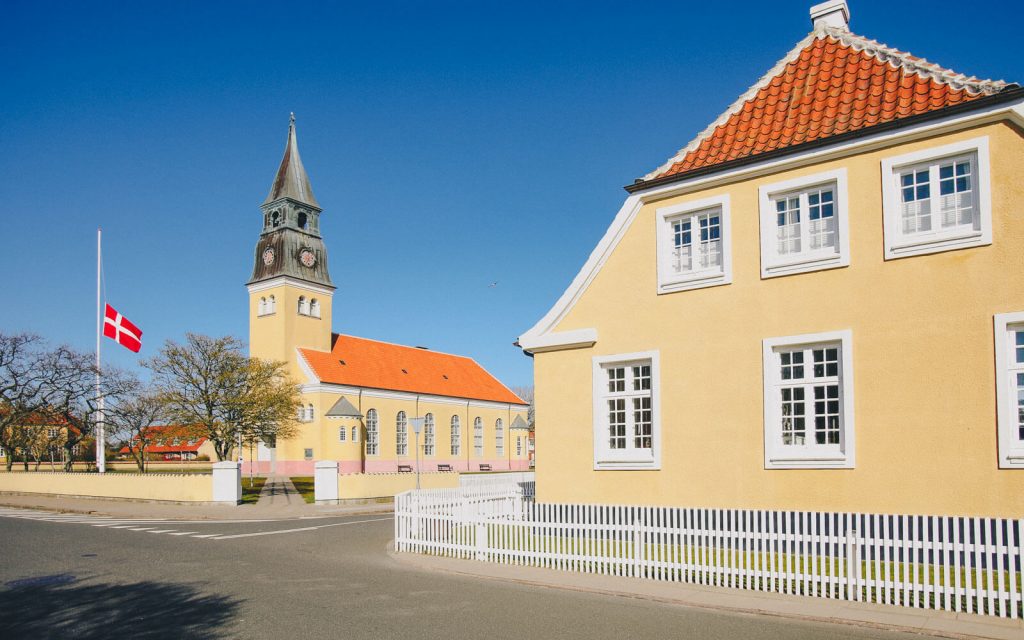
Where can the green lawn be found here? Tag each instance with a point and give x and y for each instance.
(251, 494)
(304, 485)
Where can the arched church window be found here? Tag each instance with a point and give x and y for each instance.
(271, 304)
(341, 434)
(355, 434)
(401, 434)
(309, 413)
(303, 306)
(372, 434)
(456, 435)
(262, 307)
(478, 437)
(314, 308)
(499, 437)
(303, 221)
(428, 434)
(275, 219)
(300, 414)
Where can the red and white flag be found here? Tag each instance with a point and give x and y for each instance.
(121, 330)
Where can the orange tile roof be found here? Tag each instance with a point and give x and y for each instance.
(833, 82)
(361, 362)
(169, 432)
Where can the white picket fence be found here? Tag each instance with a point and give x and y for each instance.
(951, 563)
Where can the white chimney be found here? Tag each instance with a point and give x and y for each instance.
(833, 13)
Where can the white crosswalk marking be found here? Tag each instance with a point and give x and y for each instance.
(149, 525)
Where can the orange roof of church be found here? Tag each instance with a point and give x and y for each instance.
(361, 362)
(833, 82)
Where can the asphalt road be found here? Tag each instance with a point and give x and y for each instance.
(309, 578)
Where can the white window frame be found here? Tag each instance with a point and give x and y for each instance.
(1011, 448)
(499, 438)
(355, 434)
(478, 437)
(401, 434)
(372, 433)
(456, 435)
(342, 434)
(606, 458)
(898, 245)
(428, 435)
(773, 263)
(668, 280)
(812, 456)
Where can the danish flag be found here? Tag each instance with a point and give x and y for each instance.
(121, 330)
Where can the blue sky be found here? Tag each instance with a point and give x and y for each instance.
(451, 145)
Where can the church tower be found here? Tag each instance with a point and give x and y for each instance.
(290, 289)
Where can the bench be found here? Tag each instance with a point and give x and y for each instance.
(485, 467)
(405, 468)
(444, 467)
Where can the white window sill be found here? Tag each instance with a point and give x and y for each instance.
(936, 243)
(1013, 460)
(808, 460)
(698, 280)
(804, 264)
(626, 465)
(264, 315)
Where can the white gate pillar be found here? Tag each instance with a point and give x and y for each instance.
(227, 482)
(325, 481)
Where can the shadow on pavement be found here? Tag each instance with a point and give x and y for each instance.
(59, 606)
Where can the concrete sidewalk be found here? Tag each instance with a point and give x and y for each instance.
(180, 511)
(942, 624)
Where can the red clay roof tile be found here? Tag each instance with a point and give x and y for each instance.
(833, 82)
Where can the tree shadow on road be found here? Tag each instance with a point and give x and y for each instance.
(59, 606)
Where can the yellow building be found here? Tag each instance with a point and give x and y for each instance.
(362, 399)
(817, 304)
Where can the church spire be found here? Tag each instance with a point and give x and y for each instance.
(291, 180)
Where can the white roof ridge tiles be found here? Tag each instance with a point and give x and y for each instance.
(882, 52)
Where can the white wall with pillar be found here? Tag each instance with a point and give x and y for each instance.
(227, 482)
(325, 481)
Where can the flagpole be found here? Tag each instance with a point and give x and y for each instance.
(101, 458)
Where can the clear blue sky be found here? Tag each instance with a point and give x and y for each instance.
(451, 145)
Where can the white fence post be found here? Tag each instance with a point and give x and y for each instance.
(638, 549)
(325, 481)
(852, 561)
(227, 482)
(481, 541)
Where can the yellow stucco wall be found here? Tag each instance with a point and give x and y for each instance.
(162, 486)
(275, 336)
(924, 387)
(381, 485)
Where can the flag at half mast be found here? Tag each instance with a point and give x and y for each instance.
(121, 330)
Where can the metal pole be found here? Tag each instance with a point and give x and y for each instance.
(417, 459)
(101, 458)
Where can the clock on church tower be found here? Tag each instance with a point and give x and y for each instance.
(290, 290)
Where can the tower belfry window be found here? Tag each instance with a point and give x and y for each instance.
(314, 308)
(275, 219)
(303, 306)
(303, 220)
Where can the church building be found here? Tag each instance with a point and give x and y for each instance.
(362, 397)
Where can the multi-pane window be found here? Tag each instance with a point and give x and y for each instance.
(1009, 343)
(519, 446)
(696, 242)
(355, 434)
(938, 196)
(401, 434)
(805, 221)
(808, 412)
(937, 199)
(627, 403)
(456, 435)
(428, 434)
(478, 437)
(372, 433)
(342, 432)
(693, 245)
(803, 224)
(499, 437)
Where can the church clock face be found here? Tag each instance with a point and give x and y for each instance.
(307, 258)
(268, 257)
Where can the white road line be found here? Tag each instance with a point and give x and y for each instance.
(182, 533)
(271, 533)
(141, 529)
(121, 526)
(163, 530)
(208, 535)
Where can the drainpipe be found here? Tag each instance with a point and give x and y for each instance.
(469, 430)
(362, 447)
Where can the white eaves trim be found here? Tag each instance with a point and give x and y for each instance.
(295, 282)
(1012, 111)
(579, 339)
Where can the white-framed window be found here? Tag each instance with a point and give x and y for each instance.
(499, 438)
(804, 224)
(314, 308)
(300, 413)
(262, 307)
(694, 245)
(372, 433)
(401, 434)
(428, 434)
(355, 434)
(626, 415)
(271, 304)
(1009, 343)
(303, 306)
(342, 433)
(310, 414)
(808, 401)
(52, 433)
(456, 436)
(308, 454)
(519, 446)
(478, 437)
(937, 199)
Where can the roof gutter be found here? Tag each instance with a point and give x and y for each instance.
(1011, 93)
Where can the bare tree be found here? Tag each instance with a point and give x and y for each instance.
(210, 383)
(526, 393)
(21, 389)
(131, 418)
